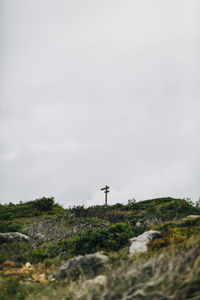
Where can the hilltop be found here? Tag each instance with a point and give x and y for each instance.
(169, 269)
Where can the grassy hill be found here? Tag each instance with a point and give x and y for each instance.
(170, 269)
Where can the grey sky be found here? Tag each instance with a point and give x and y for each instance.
(99, 92)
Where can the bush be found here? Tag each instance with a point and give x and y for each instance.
(175, 209)
(88, 241)
(11, 290)
(176, 233)
(33, 208)
(43, 204)
(10, 227)
(6, 216)
(13, 251)
(92, 240)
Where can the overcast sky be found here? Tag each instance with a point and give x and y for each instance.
(99, 92)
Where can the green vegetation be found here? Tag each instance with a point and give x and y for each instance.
(169, 270)
(177, 234)
(162, 209)
(10, 226)
(110, 238)
(38, 207)
(13, 251)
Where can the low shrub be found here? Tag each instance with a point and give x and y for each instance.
(176, 233)
(6, 216)
(87, 241)
(175, 209)
(33, 208)
(10, 227)
(14, 251)
(43, 204)
(92, 240)
(11, 290)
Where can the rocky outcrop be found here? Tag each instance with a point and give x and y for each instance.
(9, 237)
(82, 264)
(139, 244)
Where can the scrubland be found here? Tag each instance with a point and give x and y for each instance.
(170, 269)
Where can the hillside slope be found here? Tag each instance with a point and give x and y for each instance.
(170, 269)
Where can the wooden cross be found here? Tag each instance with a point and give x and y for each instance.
(106, 191)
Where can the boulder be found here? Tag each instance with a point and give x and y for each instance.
(82, 264)
(139, 244)
(9, 237)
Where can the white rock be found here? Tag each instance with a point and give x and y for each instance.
(28, 265)
(191, 217)
(139, 244)
(138, 224)
(9, 237)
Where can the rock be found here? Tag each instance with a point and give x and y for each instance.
(9, 237)
(82, 264)
(28, 265)
(138, 224)
(191, 217)
(98, 281)
(27, 268)
(139, 244)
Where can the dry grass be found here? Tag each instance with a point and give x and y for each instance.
(170, 276)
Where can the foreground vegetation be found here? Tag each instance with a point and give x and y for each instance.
(169, 270)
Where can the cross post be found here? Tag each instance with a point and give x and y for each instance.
(106, 191)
